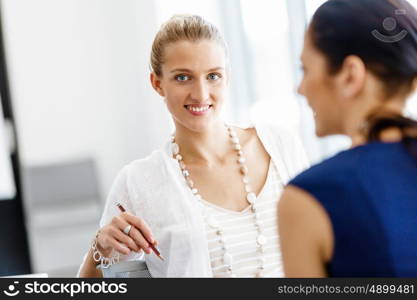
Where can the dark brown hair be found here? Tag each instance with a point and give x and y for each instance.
(367, 29)
(380, 120)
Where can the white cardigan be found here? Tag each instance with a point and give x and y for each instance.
(154, 189)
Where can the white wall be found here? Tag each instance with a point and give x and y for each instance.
(79, 81)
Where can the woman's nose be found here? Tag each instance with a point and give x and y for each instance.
(200, 91)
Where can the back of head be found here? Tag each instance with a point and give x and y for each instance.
(383, 34)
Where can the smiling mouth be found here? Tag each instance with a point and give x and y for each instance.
(198, 108)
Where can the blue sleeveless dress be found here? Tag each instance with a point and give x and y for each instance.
(370, 195)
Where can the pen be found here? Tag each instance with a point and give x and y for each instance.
(155, 250)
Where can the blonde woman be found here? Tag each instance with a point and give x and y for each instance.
(209, 197)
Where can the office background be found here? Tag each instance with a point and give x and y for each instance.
(78, 76)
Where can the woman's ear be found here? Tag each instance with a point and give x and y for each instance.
(351, 77)
(156, 84)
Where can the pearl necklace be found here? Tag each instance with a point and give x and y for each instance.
(250, 197)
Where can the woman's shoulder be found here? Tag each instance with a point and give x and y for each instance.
(337, 170)
(150, 161)
(144, 169)
(139, 177)
(256, 129)
(283, 145)
(269, 133)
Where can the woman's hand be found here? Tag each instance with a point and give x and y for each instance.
(111, 237)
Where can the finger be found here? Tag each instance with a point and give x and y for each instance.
(124, 238)
(139, 239)
(119, 247)
(117, 231)
(122, 221)
(141, 225)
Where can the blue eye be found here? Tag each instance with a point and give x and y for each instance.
(214, 76)
(181, 78)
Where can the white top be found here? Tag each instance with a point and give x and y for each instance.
(154, 189)
(239, 233)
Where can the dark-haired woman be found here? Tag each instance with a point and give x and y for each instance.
(355, 214)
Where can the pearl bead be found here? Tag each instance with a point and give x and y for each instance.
(235, 140)
(244, 170)
(178, 157)
(182, 165)
(175, 148)
(241, 160)
(190, 183)
(251, 197)
(237, 147)
(195, 191)
(232, 134)
(186, 173)
(240, 153)
(245, 179)
(261, 240)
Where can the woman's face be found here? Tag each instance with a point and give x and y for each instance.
(193, 83)
(320, 89)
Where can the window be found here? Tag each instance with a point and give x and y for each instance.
(267, 30)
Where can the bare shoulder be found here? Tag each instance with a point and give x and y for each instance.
(249, 138)
(304, 224)
(246, 134)
(297, 206)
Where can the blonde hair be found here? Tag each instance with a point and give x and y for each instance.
(182, 28)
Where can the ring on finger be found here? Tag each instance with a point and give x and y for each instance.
(127, 229)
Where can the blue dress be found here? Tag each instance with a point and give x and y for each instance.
(370, 195)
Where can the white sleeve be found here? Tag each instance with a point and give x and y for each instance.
(292, 150)
(118, 194)
(300, 159)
